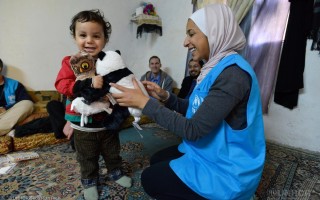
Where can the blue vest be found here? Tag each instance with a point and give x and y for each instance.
(226, 163)
(10, 87)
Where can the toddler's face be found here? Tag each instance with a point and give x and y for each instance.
(89, 37)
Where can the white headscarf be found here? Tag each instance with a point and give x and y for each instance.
(224, 34)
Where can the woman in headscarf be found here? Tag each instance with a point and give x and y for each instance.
(223, 149)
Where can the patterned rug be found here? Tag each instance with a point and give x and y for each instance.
(288, 174)
(55, 175)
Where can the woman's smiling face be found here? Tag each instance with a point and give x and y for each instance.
(196, 42)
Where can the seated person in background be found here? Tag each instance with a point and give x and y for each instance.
(156, 75)
(61, 127)
(15, 103)
(189, 82)
(55, 123)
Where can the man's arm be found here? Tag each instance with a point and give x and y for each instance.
(168, 83)
(22, 94)
(143, 77)
(183, 92)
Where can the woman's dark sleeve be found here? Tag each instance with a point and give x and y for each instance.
(223, 96)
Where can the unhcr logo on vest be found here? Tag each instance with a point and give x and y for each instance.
(196, 103)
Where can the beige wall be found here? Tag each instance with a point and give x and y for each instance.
(299, 127)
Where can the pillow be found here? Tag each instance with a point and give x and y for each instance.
(44, 96)
(41, 99)
(6, 144)
(36, 140)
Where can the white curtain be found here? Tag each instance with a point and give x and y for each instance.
(267, 24)
(264, 23)
(240, 7)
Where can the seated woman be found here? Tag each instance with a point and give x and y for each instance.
(223, 149)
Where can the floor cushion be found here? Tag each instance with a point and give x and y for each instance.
(6, 144)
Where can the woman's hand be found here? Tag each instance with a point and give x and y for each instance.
(130, 97)
(156, 91)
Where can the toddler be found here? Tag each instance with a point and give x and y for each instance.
(91, 33)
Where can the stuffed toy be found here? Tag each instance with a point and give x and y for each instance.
(112, 65)
(82, 64)
(83, 67)
(112, 68)
(79, 105)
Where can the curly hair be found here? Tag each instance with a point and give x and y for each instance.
(91, 16)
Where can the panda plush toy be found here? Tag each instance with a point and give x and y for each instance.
(83, 67)
(112, 68)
